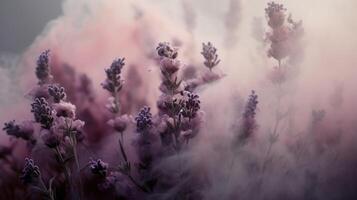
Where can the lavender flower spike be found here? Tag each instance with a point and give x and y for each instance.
(98, 167)
(164, 49)
(57, 93)
(248, 124)
(113, 82)
(42, 112)
(144, 120)
(30, 172)
(251, 106)
(43, 69)
(191, 105)
(24, 130)
(209, 52)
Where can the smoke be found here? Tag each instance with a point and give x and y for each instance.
(90, 34)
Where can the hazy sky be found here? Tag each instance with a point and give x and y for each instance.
(22, 20)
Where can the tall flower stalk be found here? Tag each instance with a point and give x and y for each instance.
(31, 175)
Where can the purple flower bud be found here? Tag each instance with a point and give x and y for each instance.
(164, 49)
(30, 172)
(65, 109)
(143, 120)
(43, 68)
(169, 66)
(42, 112)
(119, 123)
(248, 124)
(209, 52)
(276, 14)
(57, 93)
(251, 105)
(98, 167)
(24, 130)
(191, 105)
(113, 83)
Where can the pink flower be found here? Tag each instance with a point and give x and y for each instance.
(38, 92)
(120, 123)
(169, 66)
(66, 125)
(65, 109)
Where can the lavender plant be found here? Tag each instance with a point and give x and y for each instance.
(248, 122)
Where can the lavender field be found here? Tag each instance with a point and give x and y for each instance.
(182, 100)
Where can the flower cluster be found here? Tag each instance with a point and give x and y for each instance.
(30, 172)
(169, 66)
(284, 37)
(113, 83)
(24, 130)
(191, 105)
(251, 106)
(209, 52)
(276, 14)
(98, 167)
(210, 55)
(43, 70)
(164, 49)
(248, 123)
(144, 120)
(42, 112)
(57, 93)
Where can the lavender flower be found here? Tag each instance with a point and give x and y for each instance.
(209, 52)
(143, 120)
(276, 14)
(43, 69)
(30, 172)
(169, 66)
(191, 105)
(251, 106)
(68, 126)
(23, 131)
(57, 93)
(248, 124)
(98, 167)
(164, 49)
(65, 109)
(42, 112)
(113, 83)
(119, 123)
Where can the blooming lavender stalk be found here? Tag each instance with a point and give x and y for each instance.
(57, 93)
(248, 124)
(191, 105)
(23, 131)
(164, 49)
(284, 37)
(98, 167)
(143, 120)
(113, 83)
(43, 71)
(31, 175)
(169, 66)
(209, 52)
(43, 113)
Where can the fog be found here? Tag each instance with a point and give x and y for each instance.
(89, 34)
